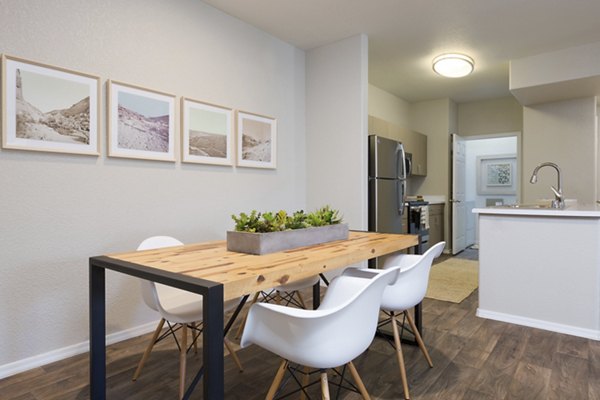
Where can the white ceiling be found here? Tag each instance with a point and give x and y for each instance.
(405, 35)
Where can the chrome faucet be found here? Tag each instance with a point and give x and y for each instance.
(559, 201)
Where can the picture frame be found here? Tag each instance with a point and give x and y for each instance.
(49, 108)
(256, 140)
(141, 122)
(496, 175)
(206, 133)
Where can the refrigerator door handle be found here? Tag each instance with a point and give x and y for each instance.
(408, 166)
(400, 162)
(401, 189)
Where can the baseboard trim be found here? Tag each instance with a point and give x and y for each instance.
(39, 360)
(536, 323)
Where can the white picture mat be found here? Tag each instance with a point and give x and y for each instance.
(114, 89)
(10, 138)
(241, 116)
(188, 105)
(486, 164)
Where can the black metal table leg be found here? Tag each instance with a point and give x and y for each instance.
(419, 317)
(316, 295)
(97, 333)
(212, 347)
(212, 292)
(418, 308)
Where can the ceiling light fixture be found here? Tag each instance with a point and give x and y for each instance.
(453, 65)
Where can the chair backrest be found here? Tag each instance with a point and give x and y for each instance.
(149, 291)
(411, 284)
(340, 330)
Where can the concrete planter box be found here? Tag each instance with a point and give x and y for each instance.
(271, 242)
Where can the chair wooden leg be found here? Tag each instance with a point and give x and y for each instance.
(159, 327)
(301, 299)
(277, 380)
(324, 386)
(233, 354)
(400, 357)
(243, 322)
(419, 338)
(359, 383)
(182, 360)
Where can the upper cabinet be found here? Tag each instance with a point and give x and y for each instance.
(414, 143)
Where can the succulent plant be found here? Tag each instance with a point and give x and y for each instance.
(282, 221)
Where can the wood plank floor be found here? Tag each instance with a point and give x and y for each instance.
(473, 358)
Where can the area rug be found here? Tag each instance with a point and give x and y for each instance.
(453, 280)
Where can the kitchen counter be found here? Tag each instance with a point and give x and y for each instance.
(540, 267)
(435, 199)
(577, 211)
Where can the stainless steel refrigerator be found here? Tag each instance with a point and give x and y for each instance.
(387, 184)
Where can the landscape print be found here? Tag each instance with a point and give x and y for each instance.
(140, 123)
(206, 133)
(257, 140)
(143, 123)
(49, 110)
(62, 117)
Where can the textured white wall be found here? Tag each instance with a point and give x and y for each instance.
(563, 132)
(485, 117)
(57, 210)
(336, 127)
(389, 107)
(562, 65)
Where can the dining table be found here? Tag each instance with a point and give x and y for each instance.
(217, 274)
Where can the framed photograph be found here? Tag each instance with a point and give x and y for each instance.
(206, 133)
(46, 108)
(141, 122)
(256, 140)
(497, 174)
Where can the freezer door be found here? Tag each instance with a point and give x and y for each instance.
(386, 205)
(386, 158)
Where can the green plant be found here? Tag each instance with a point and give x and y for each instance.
(281, 221)
(324, 216)
(247, 223)
(297, 220)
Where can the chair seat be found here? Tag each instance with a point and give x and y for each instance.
(298, 285)
(181, 307)
(175, 306)
(406, 292)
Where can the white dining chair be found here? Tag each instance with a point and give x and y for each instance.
(180, 309)
(406, 292)
(333, 335)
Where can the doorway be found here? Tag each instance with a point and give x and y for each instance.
(490, 178)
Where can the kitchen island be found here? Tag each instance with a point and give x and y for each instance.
(540, 267)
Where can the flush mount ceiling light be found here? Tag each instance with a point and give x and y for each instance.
(453, 65)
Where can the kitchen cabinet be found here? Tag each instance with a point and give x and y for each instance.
(414, 142)
(436, 223)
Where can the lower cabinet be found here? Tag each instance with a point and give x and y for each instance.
(436, 223)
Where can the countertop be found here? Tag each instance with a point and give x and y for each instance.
(435, 199)
(575, 211)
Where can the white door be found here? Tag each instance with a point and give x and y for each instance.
(459, 216)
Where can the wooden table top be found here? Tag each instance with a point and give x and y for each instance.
(242, 273)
